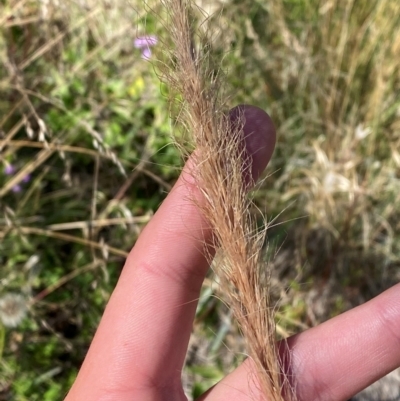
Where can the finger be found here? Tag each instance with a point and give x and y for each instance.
(143, 335)
(333, 361)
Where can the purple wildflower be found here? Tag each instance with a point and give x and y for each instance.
(9, 169)
(144, 43)
(146, 53)
(26, 179)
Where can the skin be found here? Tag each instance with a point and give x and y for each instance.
(139, 348)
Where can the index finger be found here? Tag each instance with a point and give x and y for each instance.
(143, 335)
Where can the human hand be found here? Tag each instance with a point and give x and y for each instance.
(140, 345)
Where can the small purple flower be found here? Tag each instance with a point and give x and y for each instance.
(144, 43)
(9, 169)
(26, 179)
(146, 53)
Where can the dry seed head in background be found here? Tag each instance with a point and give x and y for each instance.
(222, 173)
(13, 308)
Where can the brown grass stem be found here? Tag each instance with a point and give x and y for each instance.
(222, 167)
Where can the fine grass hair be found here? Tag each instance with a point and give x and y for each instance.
(220, 175)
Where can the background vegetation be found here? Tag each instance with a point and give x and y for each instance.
(85, 160)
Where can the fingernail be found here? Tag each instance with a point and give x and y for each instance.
(259, 137)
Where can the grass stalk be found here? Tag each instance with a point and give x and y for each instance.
(220, 179)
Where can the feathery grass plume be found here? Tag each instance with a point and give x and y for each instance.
(13, 308)
(223, 173)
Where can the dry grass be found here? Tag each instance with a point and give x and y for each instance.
(327, 72)
(220, 175)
